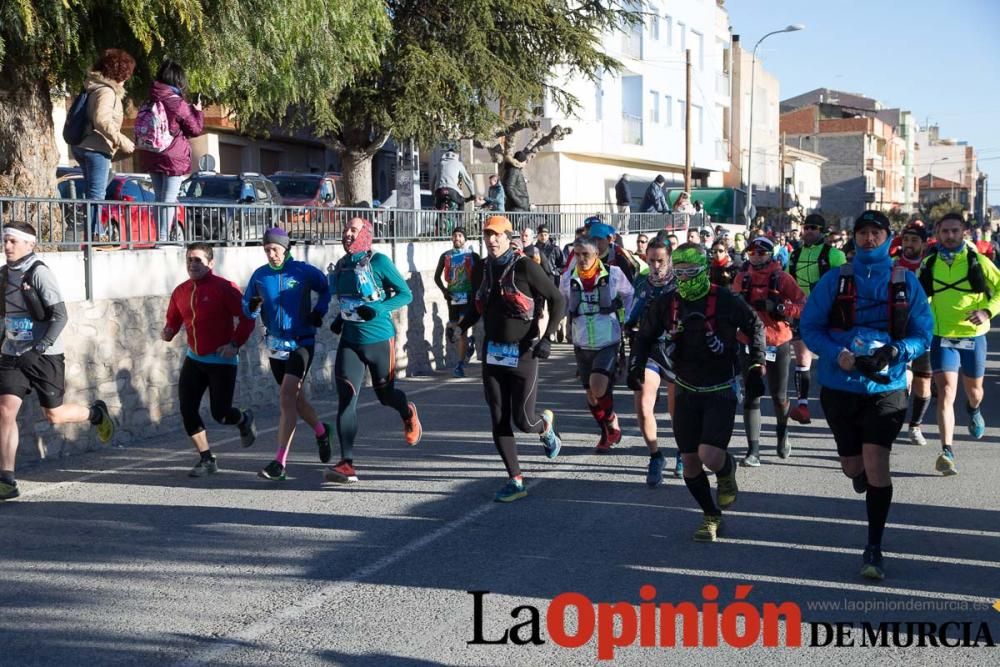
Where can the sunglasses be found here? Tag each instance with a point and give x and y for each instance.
(688, 272)
(817, 227)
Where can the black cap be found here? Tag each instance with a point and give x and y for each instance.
(916, 228)
(876, 218)
(541, 228)
(459, 230)
(815, 219)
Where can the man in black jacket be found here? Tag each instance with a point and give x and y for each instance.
(515, 186)
(701, 322)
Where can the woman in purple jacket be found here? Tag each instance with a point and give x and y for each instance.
(168, 168)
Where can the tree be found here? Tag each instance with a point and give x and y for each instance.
(942, 207)
(267, 61)
(502, 147)
(460, 68)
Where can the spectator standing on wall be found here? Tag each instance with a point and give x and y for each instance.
(655, 199)
(515, 186)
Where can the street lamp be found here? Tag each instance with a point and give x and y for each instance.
(753, 75)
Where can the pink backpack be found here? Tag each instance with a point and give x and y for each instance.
(152, 128)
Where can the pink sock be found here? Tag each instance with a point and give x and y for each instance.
(282, 455)
(319, 429)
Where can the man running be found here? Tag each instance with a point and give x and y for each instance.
(368, 288)
(594, 293)
(206, 306)
(913, 244)
(458, 274)
(33, 317)
(776, 298)
(866, 321)
(701, 322)
(280, 293)
(810, 262)
(648, 289)
(507, 298)
(964, 291)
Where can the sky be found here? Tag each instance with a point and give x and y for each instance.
(938, 60)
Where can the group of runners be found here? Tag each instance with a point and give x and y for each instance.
(876, 324)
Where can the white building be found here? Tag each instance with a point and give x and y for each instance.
(803, 182)
(948, 159)
(633, 121)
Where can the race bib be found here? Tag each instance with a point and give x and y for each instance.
(280, 348)
(19, 328)
(349, 308)
(503, 354)
(771, 353)
(959, 343)
(459, 298)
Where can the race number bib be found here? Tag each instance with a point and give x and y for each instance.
(503, 354)
(459, 298)
(349, 308)
(19, 328)
(771, 353)
(280, 348)
(959, 343)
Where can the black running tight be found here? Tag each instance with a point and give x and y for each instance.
(510, 395)
(220, 380)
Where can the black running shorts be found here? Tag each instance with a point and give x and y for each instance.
(297, 364)
(703, 419)
(603, 361)
(47, 376)
(856, 419)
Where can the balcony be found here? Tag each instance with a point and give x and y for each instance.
(722, 84)
(722, 149)
(631, 129)
(632, 44)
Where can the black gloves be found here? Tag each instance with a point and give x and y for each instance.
(316, 319)
(255, 302)
(29, 358)
(871, 365)
(337, 325)
(543, 348)
(755, 383)
(367, 313)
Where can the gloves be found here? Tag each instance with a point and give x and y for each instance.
(28, 359)
(367, 313)
(543, 348)
(776, 309)
(871, 365)
(337, 325)
(447, 297)
(255, 302)
(755, 383)
(316, 319)
(636, 374)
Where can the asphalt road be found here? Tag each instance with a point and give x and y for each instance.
(117, 557)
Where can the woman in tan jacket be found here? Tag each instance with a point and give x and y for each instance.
(103, 141)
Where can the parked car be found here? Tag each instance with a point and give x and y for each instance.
(224, 207)
(312, 199)
(409, 225)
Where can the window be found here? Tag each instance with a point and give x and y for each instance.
(668, 108)
(682, 31)
(654, 24)
(698, 118)
(654, 107)
(699, 49)
(680, 113)
(599, 100)
(668, 29)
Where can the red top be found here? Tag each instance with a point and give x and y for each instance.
(777, 332)
(207, 309)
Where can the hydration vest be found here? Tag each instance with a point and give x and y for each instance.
(368, 289)
(517, 304)
(823, 261)
(458, 276)
(842, 314)
(976, 278)
(37, 309)
(607, 302)
(773, 293)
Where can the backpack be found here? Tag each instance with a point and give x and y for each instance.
(976, 277)
(75, 127)
(152, 128)
(823, 261)
(773, 290)
(39, 311)
(368, 287)
(845, 303)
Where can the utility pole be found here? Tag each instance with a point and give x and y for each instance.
(687, 123)
(781, 184)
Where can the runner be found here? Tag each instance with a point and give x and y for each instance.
(33, 315)
(658, 368)
(594, 294)
(507, 301)
(776, 298)
(206, 306)
(911, 254)
(458, 274)
(701, 322)
(964, 291)
(609, 252)
(368, 288)
(808, 264)
(865, 321)
(280, 294)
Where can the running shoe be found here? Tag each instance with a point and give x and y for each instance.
(458, 371)
(726, 489)
(9, 490)
(917, 437)
(248, 429)
(609, 436)
(708, 531)
(946, 463)
(204, 467)
(273, 471)
(550, 439)
(324, 444)
(871, 567)
(412, 430)
(106, 425)
(511, 491)
(342, 473)
(750, 461)
(800, 413)
(678, 465)
(977, 425)
(784, 447)
(654, 475)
